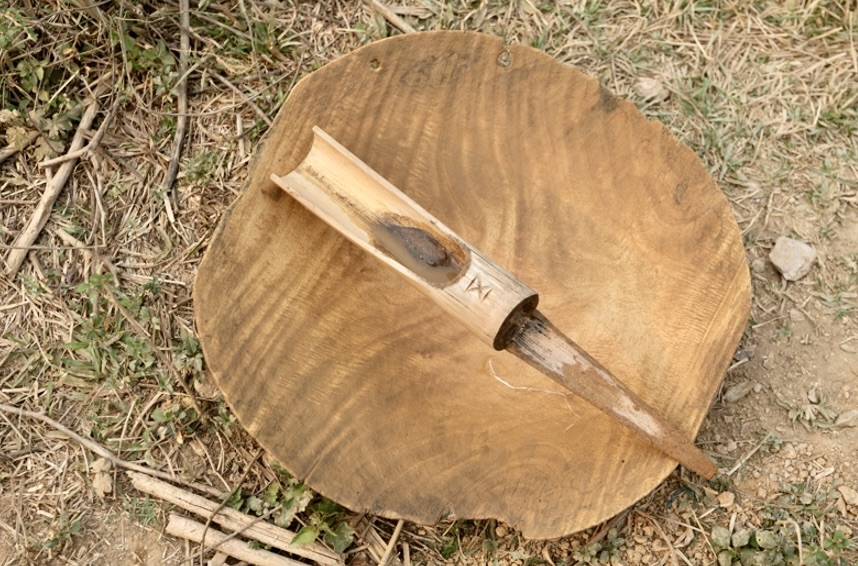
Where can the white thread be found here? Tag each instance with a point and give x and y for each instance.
(535, 390)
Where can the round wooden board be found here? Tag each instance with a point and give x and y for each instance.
(377, 399)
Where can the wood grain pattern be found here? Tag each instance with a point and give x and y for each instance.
(380, 401)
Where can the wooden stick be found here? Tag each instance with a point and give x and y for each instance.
(392, 17)
(183, 527)
(229, 518)
(391, 544)
(90, 445)
(374, 543)
(182, 117)
(55, 185)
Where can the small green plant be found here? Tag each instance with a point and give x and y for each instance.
(62, 529)
(776, 544)
(152, 60)
(605, 552)
(144, 510)
(288, 498)
(815, 413)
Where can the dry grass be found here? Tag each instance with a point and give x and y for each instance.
(97, 326)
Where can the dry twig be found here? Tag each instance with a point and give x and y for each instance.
(89, 444)
(183, 527)
(55, 185)
(232, 519)
(182, 116)
(391, 17)
(388, 552)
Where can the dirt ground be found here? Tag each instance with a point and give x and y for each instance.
(97, 323)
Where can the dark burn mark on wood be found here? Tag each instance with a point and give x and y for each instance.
(419, 250)
(422, 245)
(607, 101)
(272, 191)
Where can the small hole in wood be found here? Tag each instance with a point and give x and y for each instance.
(504, 59)
(375, 64)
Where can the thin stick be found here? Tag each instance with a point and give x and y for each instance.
(406, 554)
(658, 528)
(392, 17)
(183, 527)
(227, 497)
(11, 150)
(244, 97)
(182, 117)
(90, 445)
(391, 544)
(750, 453)
(232, 519)
(55, 185)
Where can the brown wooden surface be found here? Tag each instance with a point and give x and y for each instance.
(365, 389)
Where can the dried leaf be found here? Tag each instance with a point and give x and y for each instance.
(651, 89)
(16, 137)
(8, 116)
(101, 465)
(101, 484)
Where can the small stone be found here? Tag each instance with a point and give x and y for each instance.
(758, 387)
(736, 392)
(501, 531)
(731, 446)
(792, 258)
(795, 315)
(850, 496)
(758, 265)
(651, 89)
(726, 499)
(813, 396)
(847, 418)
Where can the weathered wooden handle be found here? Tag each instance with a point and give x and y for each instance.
(343, 191)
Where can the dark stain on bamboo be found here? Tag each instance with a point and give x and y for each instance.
(433, 257)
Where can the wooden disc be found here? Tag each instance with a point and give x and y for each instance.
(377, 399)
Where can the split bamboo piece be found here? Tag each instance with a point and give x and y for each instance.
(195, 531)
(229, 518)
(348, 195)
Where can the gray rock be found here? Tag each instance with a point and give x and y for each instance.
(792, 258)
(847, 418)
